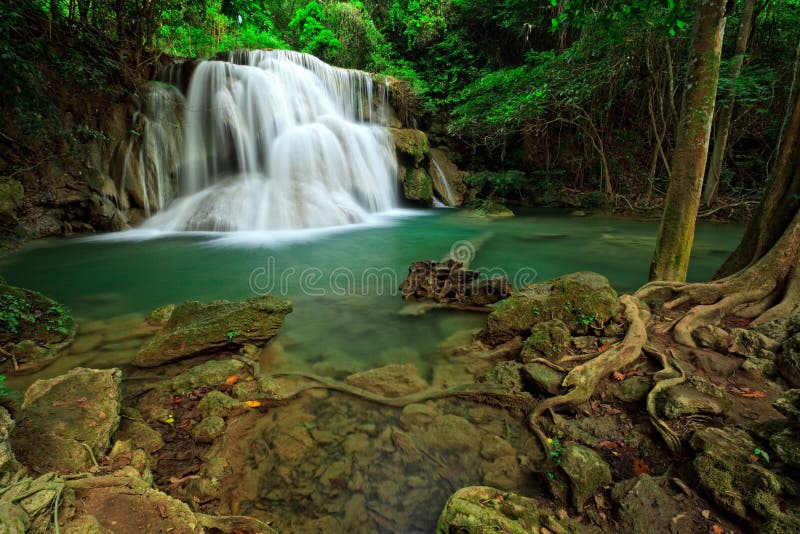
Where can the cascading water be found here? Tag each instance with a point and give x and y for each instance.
(154, 148)
(442, 185)
(280, 140)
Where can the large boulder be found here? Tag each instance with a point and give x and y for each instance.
(66, 423)
(411, 145)
(448, 180)
(194, 328)
(33, 327)
(579, 300)
(417, 185)
(481, 509)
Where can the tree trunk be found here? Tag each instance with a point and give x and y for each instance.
(778, 206)
(726, 106)
(671, 259)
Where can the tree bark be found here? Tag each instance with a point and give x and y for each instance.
(726, 106)
(671, 258)
(778, 206)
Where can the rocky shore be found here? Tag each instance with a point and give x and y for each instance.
(205, 431)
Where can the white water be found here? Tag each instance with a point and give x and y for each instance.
(280, 140)
(153, 152)
(442, 185)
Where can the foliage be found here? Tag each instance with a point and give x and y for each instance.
(496, 184)
(312, 35)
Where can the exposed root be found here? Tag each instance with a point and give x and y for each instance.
(669, 376)
(584, 378)
(466, 390)
(788, 305)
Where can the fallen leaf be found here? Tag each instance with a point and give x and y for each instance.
(196, 499)
(618, 376)
(607, 444)
(640, 467)
(717, 529)
(605, 346)
(750, 393)
(253, 403)
(232, 380)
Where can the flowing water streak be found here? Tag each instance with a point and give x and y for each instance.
(443, 186)
(279, 140)
(154, 148)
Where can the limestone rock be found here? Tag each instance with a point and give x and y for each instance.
(786, 445)
(482, 509)
(586, 470)
(219, 404)
(209, 429)
(632, 389)
(10, 468)
(695, 396)
(64, 418)
(737, 484)
(411, 144)
(645, 508)
(789, 405)
(544, 378)
(210, 373)
(195, 328)
(576, 299)
(417, 185)
(752, 344)
(548, 339)
(161, 315)
(781, 329)
(788, 360)
(394, 380)
(133, 428)
(712, 337)
(450, 185)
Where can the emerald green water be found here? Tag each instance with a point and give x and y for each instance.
(344, 318)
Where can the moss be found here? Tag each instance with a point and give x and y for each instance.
(29, 315)
(418, 185)
(410, 144)
(547, 340)
(578, 299)
(11, 195)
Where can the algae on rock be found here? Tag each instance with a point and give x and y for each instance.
(194, 328)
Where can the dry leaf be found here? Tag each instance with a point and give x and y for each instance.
(232, 380)
(618, 376)
(640, 467)
(717, 529)
(253, 403)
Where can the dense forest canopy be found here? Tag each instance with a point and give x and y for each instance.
(581, 93)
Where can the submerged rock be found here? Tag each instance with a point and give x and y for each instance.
(577, 299)
(67, 422)
(394, 380)
(481, 509)
(194, 328)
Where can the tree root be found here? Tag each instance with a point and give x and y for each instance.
(585, 377)
(668, 377)
(469, 391)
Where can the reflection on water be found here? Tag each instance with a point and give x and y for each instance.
(348, 315)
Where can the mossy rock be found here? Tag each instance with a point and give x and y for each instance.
(485, 510)
(693, 397)
(209, 429)
(578, 300)
(219, 404)
(11, 195)
(544, 378)
(735, 481)
(489, 209)
(417, 185)
(210, 373)
(547, 340)
(42, 322)
(194, 328)
(789, 405)
(410, 144)
(586, 470)
(63, 419)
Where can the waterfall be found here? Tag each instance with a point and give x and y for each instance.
(153, 149)
(280, 140)
(442, 185)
